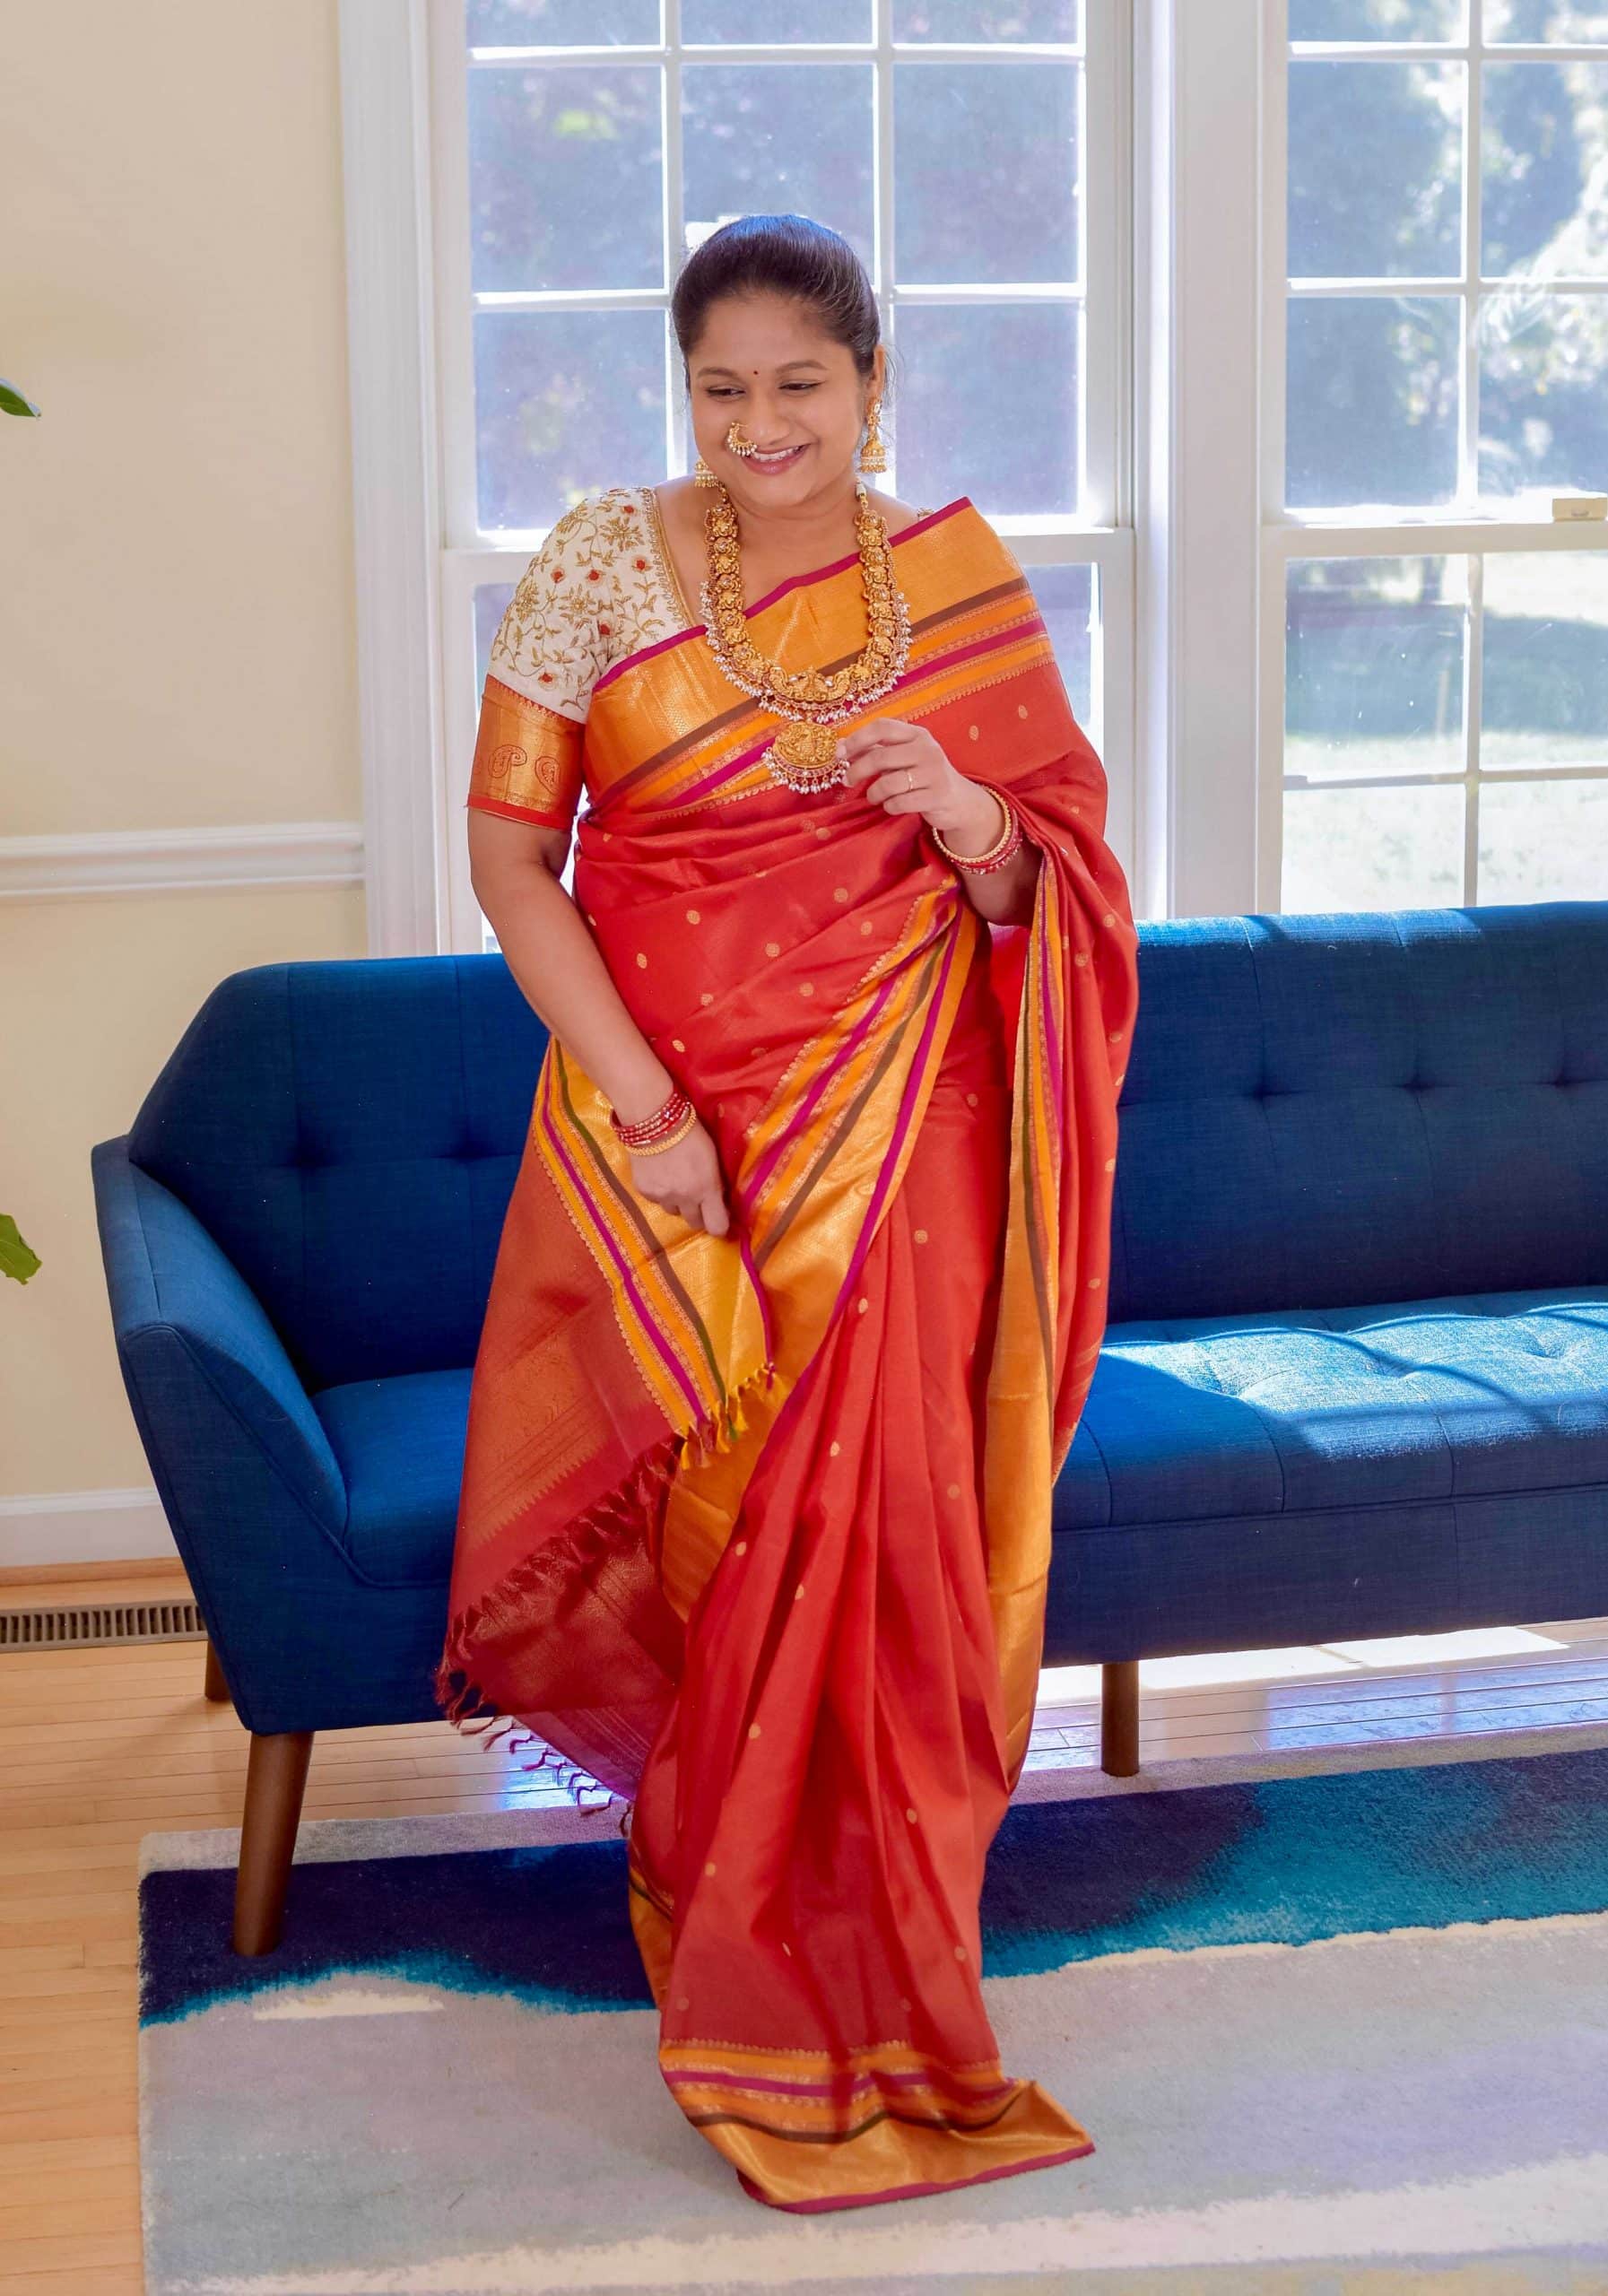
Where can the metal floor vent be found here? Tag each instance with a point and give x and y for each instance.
(81, 1624)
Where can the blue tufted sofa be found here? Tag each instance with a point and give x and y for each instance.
(1355, 1380)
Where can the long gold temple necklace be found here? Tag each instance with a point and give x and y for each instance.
(803, 755)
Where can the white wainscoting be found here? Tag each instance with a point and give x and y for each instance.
(181, 860)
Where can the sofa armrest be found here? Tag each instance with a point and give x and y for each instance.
(170, 1285)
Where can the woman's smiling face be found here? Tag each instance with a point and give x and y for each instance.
(765, 360)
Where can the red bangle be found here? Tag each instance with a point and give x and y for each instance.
(666, 1139)
(672, 1116)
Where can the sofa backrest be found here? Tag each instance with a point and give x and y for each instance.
(1321, 1110)
(349, 1132)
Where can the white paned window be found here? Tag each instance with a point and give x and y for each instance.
(1435, 640)
(970, 150)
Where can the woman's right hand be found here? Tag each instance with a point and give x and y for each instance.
(686, 1180)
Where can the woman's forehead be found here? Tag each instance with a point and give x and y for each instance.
(763, 334)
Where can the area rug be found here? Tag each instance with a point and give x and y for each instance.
(1336, 2021)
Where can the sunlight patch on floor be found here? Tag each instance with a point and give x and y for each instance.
(1465, 1642)
(1072, 1685)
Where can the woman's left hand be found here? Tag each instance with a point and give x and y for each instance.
(902, 768)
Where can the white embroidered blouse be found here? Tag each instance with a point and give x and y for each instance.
(602, 586)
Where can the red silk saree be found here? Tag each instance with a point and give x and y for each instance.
(754, 1529)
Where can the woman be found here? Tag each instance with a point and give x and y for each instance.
(802, 1282)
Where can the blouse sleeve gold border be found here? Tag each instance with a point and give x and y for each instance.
(527, 760)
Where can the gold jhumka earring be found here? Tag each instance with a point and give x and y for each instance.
(872, 456)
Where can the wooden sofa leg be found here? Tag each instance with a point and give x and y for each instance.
(275, 1779)
(1119, 1717)
(217, 1689)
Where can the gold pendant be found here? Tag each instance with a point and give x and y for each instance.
(803, 757)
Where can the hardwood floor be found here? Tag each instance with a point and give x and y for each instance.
(98, 1747)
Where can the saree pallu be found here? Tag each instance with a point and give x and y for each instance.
(754, 1529)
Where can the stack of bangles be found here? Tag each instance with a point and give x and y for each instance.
(1002, 850)
(671, 1121)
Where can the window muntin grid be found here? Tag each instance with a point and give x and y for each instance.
(1446, 710)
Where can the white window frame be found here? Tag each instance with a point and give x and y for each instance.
(1289, 535)
(1172, 122)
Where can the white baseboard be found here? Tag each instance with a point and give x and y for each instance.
(56, 1527)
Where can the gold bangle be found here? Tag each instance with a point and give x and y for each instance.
(994, 852)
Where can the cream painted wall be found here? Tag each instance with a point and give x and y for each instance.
(109, 985)
(177, 642)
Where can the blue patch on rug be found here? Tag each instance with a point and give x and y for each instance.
(1281, 1860)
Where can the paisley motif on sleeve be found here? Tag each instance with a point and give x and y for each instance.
(527, 760)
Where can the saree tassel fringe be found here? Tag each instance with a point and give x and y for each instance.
(465, 1703)
(718, 1429)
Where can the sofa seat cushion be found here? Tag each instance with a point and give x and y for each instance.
(1341, 1407)
(400, 1443)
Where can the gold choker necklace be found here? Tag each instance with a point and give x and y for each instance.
(802, 757)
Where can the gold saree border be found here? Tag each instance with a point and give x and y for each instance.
(811, 2129)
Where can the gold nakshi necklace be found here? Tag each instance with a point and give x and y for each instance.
(803, 755)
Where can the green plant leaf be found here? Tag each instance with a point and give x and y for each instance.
(16, 1257)
(11, 400)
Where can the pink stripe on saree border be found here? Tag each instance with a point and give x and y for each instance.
(644, 1314)
(770, 2084)
(915, 2191)
(740, 762)
(901, 1122)
(793, 582)
(806, 1108)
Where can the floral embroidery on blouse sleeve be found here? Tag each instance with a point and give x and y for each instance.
(594, 592)
(552, 643)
